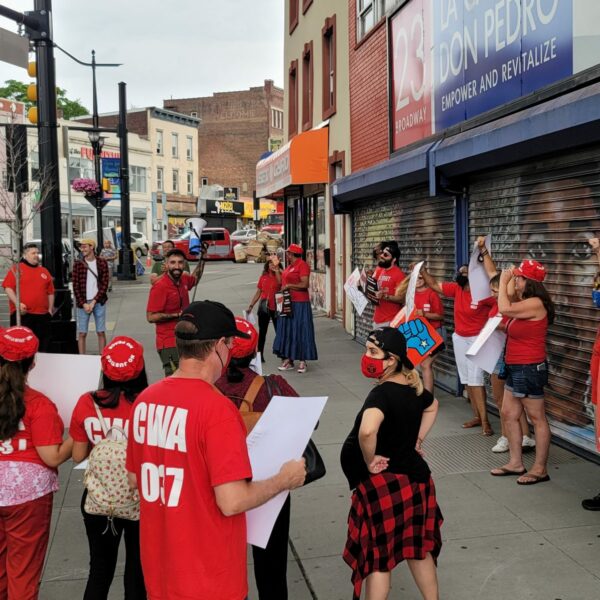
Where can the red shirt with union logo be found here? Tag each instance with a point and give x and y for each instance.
(387, 281)
(469, 316)
(184, 439)
(36, 285)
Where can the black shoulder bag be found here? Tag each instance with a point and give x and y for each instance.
(315, 467)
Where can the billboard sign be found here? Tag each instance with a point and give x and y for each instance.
(454, 59)
(224, 208)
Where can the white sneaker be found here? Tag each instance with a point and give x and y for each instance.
(501, 445)
(528, 444)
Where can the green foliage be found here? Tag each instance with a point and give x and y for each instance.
(17, 90)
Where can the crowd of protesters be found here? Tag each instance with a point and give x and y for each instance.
(189, 481)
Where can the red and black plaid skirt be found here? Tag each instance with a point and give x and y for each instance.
(391, 518)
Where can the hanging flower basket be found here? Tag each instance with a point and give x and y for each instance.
(88, 187)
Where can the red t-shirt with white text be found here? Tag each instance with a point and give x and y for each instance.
(40, 426)
(292, 274)
(429, 301)
(85, 425)
(469, 316)
(184, 439)
(387, 281)
(169, 297)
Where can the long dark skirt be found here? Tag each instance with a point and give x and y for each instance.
(295, 337)
(391, 519)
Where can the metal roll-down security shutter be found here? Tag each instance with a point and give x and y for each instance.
(424, 229)
(546, 210)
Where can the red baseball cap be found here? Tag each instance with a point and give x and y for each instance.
(242, 346)
(18, 343)
(294, 249)
(123, 359)
(531, 269)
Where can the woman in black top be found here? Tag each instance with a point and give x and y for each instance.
(394, 514)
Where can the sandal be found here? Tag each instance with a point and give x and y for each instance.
(487, 430)
(533, 479)
(505, 472)
(476, 422)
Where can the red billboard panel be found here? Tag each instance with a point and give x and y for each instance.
(410, 50)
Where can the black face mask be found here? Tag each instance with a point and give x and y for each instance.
(461, 279)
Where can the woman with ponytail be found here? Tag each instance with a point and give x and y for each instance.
(394, 514)
(123, 378)
(31, 449)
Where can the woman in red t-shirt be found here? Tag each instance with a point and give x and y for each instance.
(124, 377)
(526, 366)
(31, 448)
(269, 283)
(295, 337)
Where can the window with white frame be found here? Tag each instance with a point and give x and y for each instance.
(137, 179)
(190, 183)
(370, 12)
(175, 181)
(174, 145)
(160, 179)
(276, 118)
(189, 150)
(159, 142)
(194, 114)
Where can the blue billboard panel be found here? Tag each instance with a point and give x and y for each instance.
(111, 172)
(489, 52)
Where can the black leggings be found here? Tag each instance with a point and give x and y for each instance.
(263, 325)
(104, 550)
(270, 564)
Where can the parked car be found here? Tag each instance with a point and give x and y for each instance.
(243, 236)
(220, 245)
(139, 240)
(67, 257)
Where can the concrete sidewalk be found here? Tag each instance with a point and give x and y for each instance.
(500, 540)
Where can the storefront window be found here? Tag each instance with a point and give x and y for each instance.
(320, 233)
(310, 232)
(81, 167)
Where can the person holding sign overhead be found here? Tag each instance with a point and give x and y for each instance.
(31, 449)
(526, 366)
(469, 319)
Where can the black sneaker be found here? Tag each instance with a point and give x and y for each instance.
(591, 503)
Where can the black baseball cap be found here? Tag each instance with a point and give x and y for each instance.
(213, 320)
(391, 340)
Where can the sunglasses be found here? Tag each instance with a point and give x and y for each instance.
(386, 254)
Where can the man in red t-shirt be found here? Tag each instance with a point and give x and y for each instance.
(469, 319)
(388, 276)
(36, 295)
(187, 455)
(168, 297)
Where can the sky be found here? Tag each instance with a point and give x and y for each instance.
(169, 48)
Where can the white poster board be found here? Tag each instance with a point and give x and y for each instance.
(489, 345)
(281, 434)
(412, 287)
(479, 281)
(64, 378)
(358, 299)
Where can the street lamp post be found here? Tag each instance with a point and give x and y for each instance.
(97, 142)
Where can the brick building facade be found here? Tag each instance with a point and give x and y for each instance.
(236, 128)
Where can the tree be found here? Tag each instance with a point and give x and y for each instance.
(17, 90)
(20, 199)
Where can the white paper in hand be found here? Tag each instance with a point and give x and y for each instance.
(412, 288)
(280, 435)
(250, 317)
(358, 299)
(489, 346)
(479, 282)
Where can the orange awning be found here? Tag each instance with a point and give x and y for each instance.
(302, 160)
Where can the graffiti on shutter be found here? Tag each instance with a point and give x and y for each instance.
(424, 229)
(546, 210)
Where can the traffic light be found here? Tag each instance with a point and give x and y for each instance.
(32, 95)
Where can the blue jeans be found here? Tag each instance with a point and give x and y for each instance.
(83, 319)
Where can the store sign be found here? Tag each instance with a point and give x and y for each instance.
(274, 173)
(88, 152)
(111, 178)
(478, 55)
(224, 208)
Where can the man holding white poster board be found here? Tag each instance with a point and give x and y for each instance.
(194, 475)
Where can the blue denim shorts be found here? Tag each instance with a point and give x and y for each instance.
(500, 367)
(527, 380)
(83, 319)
